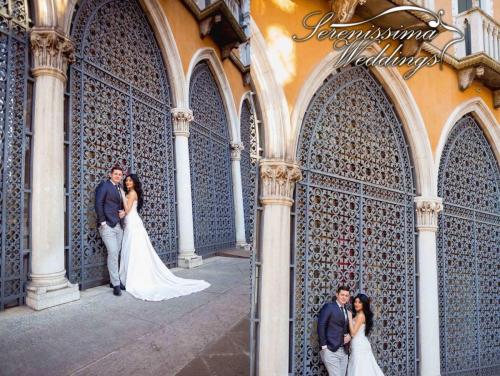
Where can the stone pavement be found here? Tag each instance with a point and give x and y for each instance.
(106, 335)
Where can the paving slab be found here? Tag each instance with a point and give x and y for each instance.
(106, 335)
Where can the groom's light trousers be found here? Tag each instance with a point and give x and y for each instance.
(112, 238)
(335, 362)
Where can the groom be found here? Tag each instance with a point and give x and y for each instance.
(109, 209)
(333, 333)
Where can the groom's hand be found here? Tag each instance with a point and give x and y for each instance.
(347, 339)
(121, 214)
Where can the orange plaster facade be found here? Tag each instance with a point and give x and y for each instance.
(436, 91)
(187, 37)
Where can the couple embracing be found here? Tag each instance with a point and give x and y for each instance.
(140, 271)
(345, 348)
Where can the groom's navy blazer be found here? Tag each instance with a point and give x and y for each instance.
(332, 326)
(108, 203)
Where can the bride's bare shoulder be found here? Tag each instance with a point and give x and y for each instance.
(132, 195)
(361, 316)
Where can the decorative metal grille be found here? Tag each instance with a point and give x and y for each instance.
(209, 156)
(249, 165)
(468, 254)
(354, 220)
(15, 143)
(120, 112)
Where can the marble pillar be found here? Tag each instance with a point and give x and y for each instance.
(182, 118)
(427, 224)
(278, 179)
(48, 285)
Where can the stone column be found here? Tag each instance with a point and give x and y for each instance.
(427, 219)
(239, 215)
(48, 286)
(182, 117)
(278, 179)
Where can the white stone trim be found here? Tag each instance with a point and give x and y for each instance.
(486, 120)
(404, 103)
(217, 69)
(169, 51)
(273, 103)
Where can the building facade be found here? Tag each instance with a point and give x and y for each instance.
(389, 186)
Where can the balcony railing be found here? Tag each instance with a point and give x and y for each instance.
(482, 34)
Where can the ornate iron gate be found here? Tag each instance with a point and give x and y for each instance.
(209, 157)
(469, 254)
(120, 112)
(354, 220)
(15, 145)
(249, 165)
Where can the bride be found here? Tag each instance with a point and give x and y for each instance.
(141, 270)
(361, 362)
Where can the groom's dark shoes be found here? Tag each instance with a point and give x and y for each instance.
(117, 291)
(121, 286)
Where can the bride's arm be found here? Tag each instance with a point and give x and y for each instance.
(354, 327)
(128, 201)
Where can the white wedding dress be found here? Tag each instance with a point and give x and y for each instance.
(142, 271)
(361, 360)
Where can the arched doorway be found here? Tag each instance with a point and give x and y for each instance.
(119, 112)
(354, 220)
(468, 252)
(16, 88)
(209, 157)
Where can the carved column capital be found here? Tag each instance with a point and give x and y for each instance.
(427, 212)
(52, 52)
(278, 181)
(236, 149)
(182, 118)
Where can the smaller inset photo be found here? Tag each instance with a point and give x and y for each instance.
(128, 187)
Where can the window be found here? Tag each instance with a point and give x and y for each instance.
(468, 46)
(464, 5)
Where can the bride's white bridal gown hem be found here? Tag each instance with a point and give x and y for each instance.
(361, 360)
(142, 271)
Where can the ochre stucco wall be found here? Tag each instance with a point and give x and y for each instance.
(187, 37)
(496, 10)
(436, 91)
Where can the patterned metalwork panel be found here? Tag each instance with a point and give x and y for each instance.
(249, 165)
(14, 147)
(355, 220)
(469, 254)
(120, 112)
(209, 156)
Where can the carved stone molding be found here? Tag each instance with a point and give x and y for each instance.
(344, 9)
(411, 47)
(278, 181)
(427, 212)
(467, 76)
(182, 117)
(496, 98)
(236, 150)
(52, 51)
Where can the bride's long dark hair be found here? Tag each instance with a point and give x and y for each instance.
(365, 301)
(137, 189)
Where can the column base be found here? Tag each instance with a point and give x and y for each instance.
(189, 261)
(39, 298)
(242, 244)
